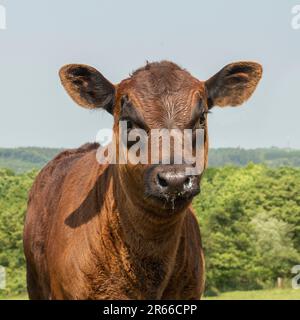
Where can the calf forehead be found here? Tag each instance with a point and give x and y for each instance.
(168, 110)
(164, 93)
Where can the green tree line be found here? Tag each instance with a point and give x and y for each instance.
(25, 159)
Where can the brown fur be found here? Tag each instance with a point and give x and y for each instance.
(91, 232)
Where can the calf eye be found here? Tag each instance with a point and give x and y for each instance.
(200, 123)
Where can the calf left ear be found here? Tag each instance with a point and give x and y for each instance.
(234, 84)
(87, 87)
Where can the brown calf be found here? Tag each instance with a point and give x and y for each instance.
(111, 231)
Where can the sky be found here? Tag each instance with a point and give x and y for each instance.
(117, 37)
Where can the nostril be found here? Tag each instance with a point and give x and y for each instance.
(188, 182)
(162, 181)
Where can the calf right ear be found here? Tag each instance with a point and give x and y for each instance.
(87, 87)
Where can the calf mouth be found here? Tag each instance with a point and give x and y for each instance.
(172, 202)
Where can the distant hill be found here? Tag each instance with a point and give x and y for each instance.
(24, 159)
(273, 157)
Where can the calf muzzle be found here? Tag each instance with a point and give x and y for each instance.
(171, 184)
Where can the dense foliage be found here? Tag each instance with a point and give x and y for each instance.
(13, 201)
(250, 221)
(24, 159)
(249, 218)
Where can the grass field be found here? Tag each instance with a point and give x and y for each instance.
(19, 297)
(278, 294)
(274, 294)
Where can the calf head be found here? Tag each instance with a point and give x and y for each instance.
(161, 95)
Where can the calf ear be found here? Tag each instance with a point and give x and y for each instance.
(87, 87)
(234, 84)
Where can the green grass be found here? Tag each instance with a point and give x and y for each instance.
(22, 296)
(274, 294)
